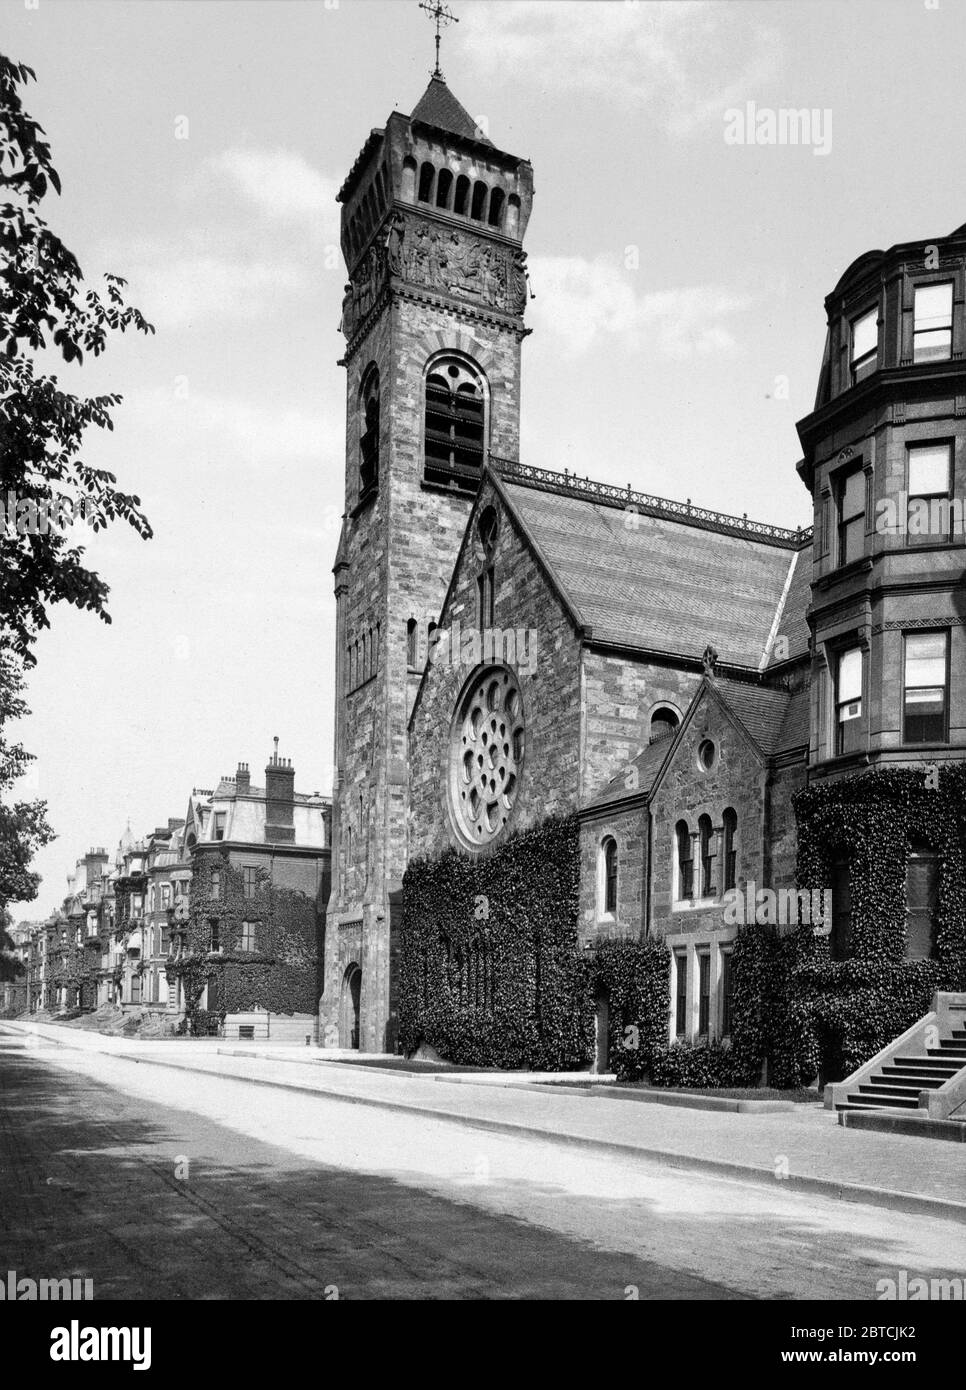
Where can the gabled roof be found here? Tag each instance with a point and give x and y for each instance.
(438, 107)
(661, 584)
(773, 720)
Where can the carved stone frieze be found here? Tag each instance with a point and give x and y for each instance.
(443, 259)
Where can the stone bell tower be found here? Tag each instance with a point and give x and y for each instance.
(433, 218)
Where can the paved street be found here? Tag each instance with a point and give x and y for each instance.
(287, 1194)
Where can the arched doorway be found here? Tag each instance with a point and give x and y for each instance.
(349, 1011)
(601, 1027)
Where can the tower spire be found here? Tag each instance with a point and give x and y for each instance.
(443, 16)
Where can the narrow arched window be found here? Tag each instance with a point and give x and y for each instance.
(369, 437)
(496, 207)
(730, 826)
(412, 630)
(922, 900)
(706, 838)
(455, 421)
(608, 860)
(444, 187)
(682, 835)
(479, 201)
(426, 175)
(462, 196)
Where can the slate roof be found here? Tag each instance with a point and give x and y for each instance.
(666, 585)
(796, 728)
(792, 622)
(438, 107)
(760, 711)
(648, 764)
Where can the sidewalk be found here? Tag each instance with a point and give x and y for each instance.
(803, 1149)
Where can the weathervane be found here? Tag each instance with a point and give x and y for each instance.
(442, 16)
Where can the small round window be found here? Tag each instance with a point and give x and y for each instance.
(707, 755)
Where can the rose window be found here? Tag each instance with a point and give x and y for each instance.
(487, 757)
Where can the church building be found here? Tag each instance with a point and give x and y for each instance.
(577, 725)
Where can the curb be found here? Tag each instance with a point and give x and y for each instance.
(950, 1130)
(909, 1202)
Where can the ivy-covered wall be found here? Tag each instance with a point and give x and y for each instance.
(283, 971)
(493, 973)
(806, 1014)
(491, 969)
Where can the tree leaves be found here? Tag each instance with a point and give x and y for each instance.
(44, 303)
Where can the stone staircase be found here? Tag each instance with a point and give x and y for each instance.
(922, 1073)
(897, 1084)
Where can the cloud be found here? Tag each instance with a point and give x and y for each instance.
(667, 57)
(190, 291)
(234, 430)
(584, 301)
(280, 184)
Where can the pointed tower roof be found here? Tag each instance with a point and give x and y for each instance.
(438, 107)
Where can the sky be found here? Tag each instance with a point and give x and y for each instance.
(678, 323)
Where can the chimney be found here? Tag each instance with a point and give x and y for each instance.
(243, 780)
(279, 798)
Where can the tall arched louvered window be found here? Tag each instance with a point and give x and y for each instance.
(455, 424)
(369, 436)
